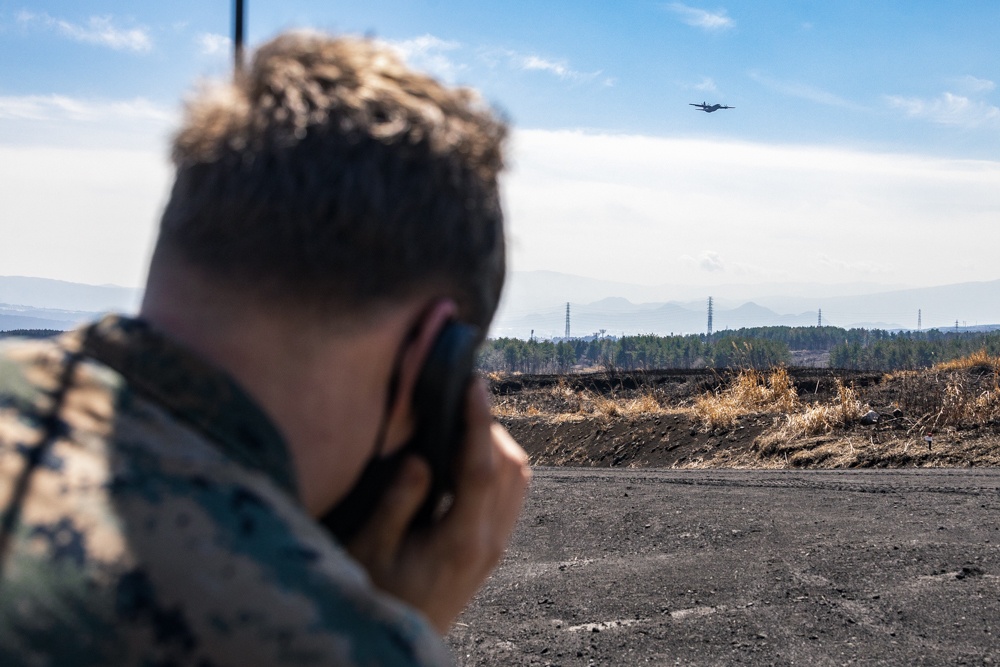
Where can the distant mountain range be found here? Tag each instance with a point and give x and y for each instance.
(42, 303)
(535, 301)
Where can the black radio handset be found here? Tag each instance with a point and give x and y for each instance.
(439, 414)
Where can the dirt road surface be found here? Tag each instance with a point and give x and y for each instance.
(730, 567)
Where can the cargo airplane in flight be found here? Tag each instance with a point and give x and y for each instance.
(709, 108)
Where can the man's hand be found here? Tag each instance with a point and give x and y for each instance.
(439, 569)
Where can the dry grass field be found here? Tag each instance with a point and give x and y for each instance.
(946, 416)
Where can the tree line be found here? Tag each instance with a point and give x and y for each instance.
(29, 333)
(644, 352)
(912, 350)
(757, 347)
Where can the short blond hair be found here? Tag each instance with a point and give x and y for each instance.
(331, 174)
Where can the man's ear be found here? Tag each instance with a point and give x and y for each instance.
(400, 424)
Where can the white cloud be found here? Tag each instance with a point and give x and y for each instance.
(61, 107)
(60, 121)
(211, 44)
(645, 210)
(803, 91)
(706, 85)
(535, 63)
(711, 262)
(419, 47)
(700, 18)
(708, 261)
(99, 30)
(442, 58)
(947, 109)
(974, 85)
(429, 53)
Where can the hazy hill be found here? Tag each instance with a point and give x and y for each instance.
(42, 303)
(663, 319)
(532, 291)
(60, 294)
(536, 300)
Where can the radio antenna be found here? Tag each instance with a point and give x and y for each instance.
(238, 21)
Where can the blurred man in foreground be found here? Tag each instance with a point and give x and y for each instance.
(161, 477)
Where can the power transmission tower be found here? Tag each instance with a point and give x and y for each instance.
(567, 319)
(819, 318)
(919, 317)
(709, 318)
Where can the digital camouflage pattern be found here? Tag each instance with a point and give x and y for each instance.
(149, 517)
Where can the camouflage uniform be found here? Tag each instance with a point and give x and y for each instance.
(150, 518)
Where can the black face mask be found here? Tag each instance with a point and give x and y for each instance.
(351, 513)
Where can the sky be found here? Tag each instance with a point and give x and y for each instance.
(863, 146)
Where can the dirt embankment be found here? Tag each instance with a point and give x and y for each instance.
(807, 418)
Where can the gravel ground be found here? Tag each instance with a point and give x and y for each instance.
(723, 567)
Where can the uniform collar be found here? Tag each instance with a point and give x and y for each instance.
(193, 391)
